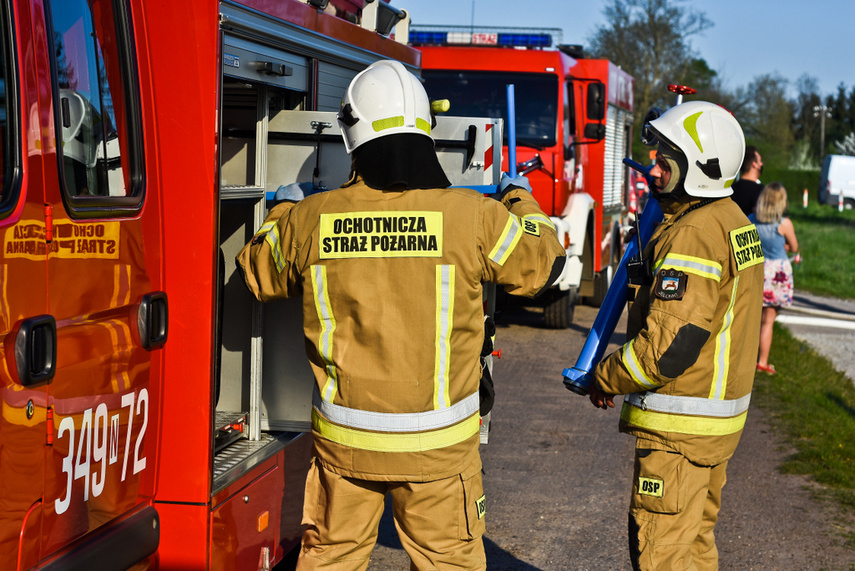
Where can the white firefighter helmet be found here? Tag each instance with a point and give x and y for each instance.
(383, 99)
(712, 141)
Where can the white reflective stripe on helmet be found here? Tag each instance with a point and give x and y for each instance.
(695, 406)
(397, 422)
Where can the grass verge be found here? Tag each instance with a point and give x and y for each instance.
(825, 240)
(813, 405)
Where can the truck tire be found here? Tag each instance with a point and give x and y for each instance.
(603, 279)
(601, 286)
(559, 308)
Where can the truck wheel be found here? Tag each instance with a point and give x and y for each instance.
(601, 286)
(559, 308)
(603, 279)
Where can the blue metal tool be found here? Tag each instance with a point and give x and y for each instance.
(578, 377)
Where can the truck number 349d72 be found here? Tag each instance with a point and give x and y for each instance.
(98, 444)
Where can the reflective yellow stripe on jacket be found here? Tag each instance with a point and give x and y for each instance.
(444, 426)
(327, 322)
(507, 241)
(271, 229)
(397, 442)
(721, 366)
(633, 365)
(397, 432)
(712, 416)
(444, 326)
(690, 265)
(685, 415)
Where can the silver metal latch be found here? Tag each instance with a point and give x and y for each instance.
(264, 559)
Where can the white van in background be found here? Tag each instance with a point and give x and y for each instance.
(837, 177)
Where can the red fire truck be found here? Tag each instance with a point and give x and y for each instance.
(154, 414)
(573, 123)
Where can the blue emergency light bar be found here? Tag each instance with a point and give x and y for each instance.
(485, 36)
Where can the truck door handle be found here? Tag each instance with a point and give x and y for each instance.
(153, 320)
(35, 350)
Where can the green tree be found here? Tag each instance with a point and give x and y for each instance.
(850, 110)
(806, 121)
(837, 126)
(766, 116)
(649, 39)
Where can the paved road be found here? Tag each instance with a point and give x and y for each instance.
(826, 324)
(557, 476)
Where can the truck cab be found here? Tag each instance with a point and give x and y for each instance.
(573, 123)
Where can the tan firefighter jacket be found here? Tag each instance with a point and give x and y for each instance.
(688, 367)
(393, 314)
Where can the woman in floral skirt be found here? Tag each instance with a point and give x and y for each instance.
(778, 238)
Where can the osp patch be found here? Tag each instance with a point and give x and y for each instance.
(481, 506)
(670, 284)
(531, 227)
(651, 487)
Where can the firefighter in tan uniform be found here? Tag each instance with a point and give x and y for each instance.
(390, 269)
(693, 326)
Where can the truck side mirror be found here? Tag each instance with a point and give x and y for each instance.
(596, 104)
(595, 131)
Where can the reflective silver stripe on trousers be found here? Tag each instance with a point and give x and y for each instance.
(689, 405)
(397, 422)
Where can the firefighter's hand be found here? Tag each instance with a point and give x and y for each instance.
(519, 181)
(600, 399)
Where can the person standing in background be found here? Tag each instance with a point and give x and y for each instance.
(748, 187)
(778, 237)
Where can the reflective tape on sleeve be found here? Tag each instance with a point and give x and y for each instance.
(265, 228)
(690, 265)
(721, 365)
(633, 365)
(536, 220)
(274, 242)
(507, 241)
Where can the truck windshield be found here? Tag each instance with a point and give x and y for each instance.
(484, 94)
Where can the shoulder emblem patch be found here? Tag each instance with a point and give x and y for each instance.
(747, 250)
(670, 284)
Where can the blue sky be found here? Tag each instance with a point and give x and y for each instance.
(749, 38)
